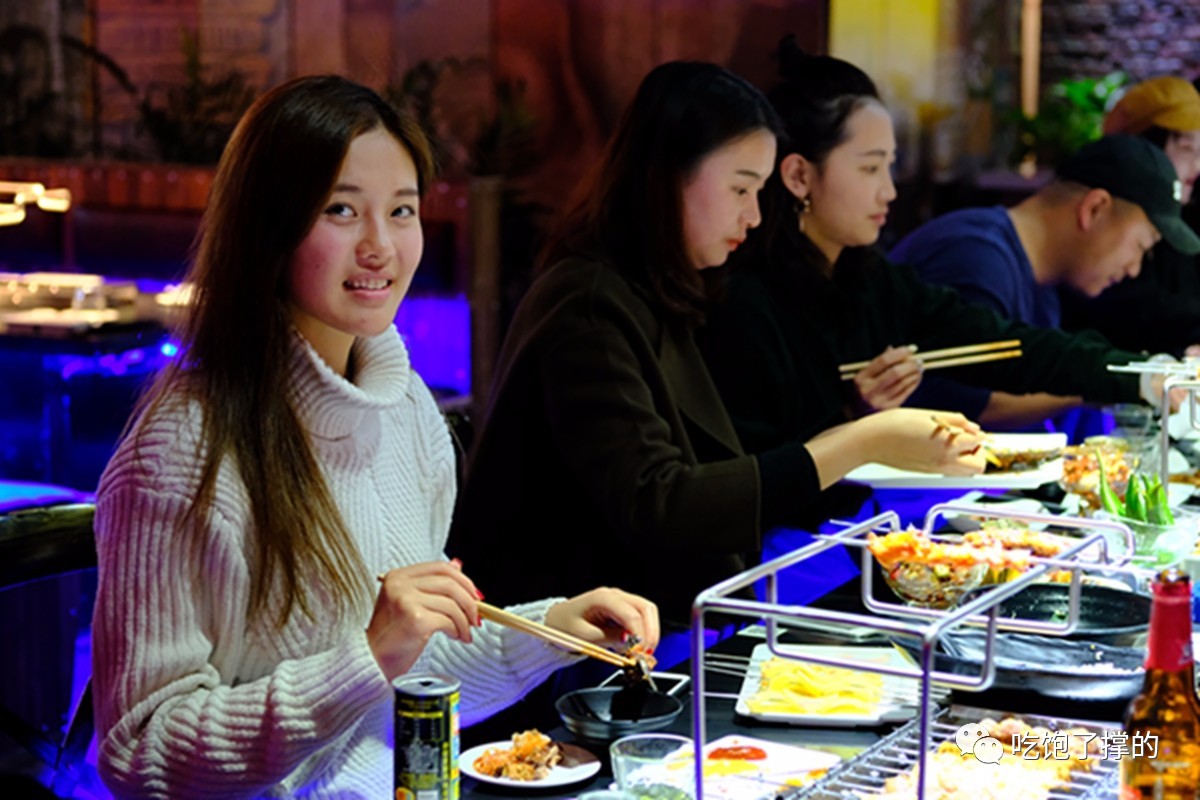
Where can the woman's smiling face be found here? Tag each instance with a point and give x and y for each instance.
(347, 277)
(851, 189)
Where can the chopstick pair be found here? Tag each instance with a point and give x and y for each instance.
(951, 356)
(561, 638)
(554, 636)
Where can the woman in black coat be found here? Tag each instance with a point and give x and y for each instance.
(606, 455)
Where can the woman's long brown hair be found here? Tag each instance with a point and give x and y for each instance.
(274, 178)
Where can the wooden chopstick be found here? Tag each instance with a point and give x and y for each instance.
(553, 635)
(958, 362)
(979, 359)
(946, 352)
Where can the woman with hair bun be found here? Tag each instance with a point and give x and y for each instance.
(810, 291)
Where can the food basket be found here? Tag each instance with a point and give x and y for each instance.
(939, 570)
(1082, 466)
(910, 747)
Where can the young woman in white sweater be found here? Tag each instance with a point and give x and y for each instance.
(242, 645)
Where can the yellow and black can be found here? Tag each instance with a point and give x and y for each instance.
(427, 740)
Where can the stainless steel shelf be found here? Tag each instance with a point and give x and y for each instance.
(1093, 552)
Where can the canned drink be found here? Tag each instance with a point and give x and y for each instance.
(426, 737)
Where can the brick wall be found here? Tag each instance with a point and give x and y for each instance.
(1143, 37)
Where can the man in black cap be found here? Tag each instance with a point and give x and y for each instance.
(1160, 308)
(1090, 228)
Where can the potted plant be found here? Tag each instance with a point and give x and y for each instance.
(1071, 115)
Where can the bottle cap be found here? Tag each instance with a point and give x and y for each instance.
(1172, 583)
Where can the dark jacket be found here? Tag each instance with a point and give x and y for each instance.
(774, 344)
(1158, 311)
(607, 458)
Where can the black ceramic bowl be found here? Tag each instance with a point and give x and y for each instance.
(601, 715)
(1106, 615)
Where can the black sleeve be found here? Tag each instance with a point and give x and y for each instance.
(1053, 361)
(1158, 311)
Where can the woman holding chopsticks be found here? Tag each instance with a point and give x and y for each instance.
(243, 646)
(810, 295)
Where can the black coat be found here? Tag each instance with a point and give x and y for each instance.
(607, 457)
(1158, 311)
(774, 345)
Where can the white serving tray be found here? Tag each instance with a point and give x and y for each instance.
(902, 694)
(879, 476)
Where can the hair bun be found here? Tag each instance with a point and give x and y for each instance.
(793, 61)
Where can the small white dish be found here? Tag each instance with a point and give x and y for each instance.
(577, 765)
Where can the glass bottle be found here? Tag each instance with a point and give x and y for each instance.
(1161, 760)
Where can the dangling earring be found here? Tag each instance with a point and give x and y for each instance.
(802, 207)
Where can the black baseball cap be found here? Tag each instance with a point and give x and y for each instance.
(1133, 169)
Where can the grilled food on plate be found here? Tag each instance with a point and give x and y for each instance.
(1004, 459)
(532, 755)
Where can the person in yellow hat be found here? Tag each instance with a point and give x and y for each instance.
(1166, 111)
(1159, 310)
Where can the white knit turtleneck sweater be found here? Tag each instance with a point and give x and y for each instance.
(194, 698)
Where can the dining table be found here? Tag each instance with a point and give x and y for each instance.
(720, 720)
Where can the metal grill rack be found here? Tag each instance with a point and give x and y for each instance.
(1191, 384)
(1179, 375)
(897, 753)
(1092, 552)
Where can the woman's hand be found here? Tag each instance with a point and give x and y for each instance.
(927, 441)
(606, 616)
(889, 379)
(414, 603)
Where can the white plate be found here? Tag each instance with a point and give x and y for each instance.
(879, 476)
(1179, 493)
(577, 765)
(786, 766)
(970, 522)
(902, 695)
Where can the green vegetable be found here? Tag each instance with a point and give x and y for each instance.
(1108, 498)
(1136, 497)
(1158, 508)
